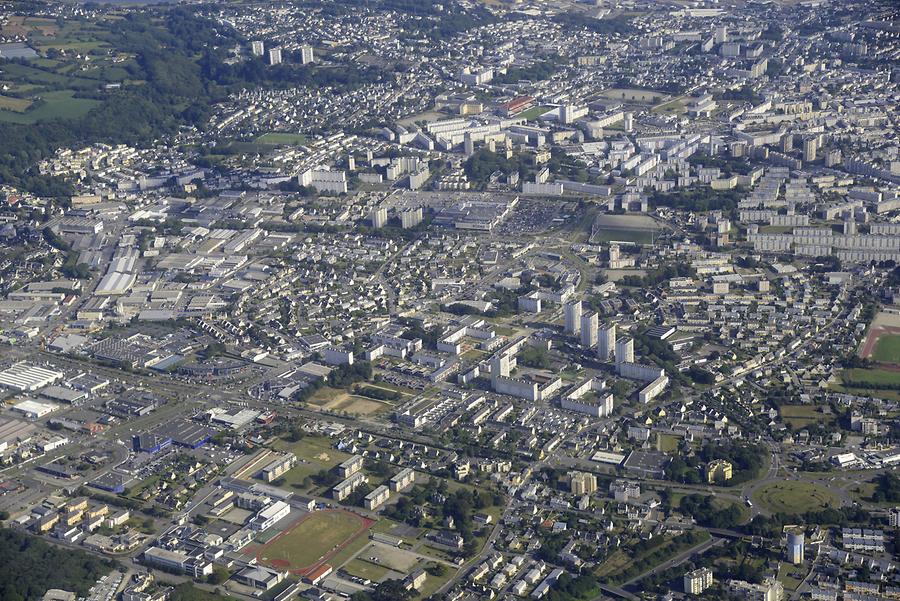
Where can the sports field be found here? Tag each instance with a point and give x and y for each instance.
(279, 138)
(312, 540)
(887, 349)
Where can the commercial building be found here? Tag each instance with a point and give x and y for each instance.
(25, 377)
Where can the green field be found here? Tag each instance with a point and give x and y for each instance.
(795, 497)
(801, 416)
(278, 138)
(310, 541)
(314, 454)
(862, 381)
(887, 349)
(534, 112)
(16, 105)
(56, 105)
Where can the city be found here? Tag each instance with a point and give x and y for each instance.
(393, 300)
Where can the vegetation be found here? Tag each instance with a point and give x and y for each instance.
(700, 198)
(707, 513)
(29, 566)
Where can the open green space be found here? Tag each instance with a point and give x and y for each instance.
(56, 105)
(795, 497)
(311, 540)
(801, 416)
(279, 138)
(314, 454)
(16, 105)
(881, 383)
(367, 569)
(887, 350)
(668, 443)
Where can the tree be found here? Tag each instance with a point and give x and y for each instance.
(219, 575)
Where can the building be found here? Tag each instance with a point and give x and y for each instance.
(350, 466)
(306, 54)
(259, 577)
(894, 517)
(403, 480)
(573, 318)
(719, 470)
(795, 549)
(269, 515)
(277, 468)
(345, 488)
(377, 498)
(378, 217)
(589, 329)
(411, 218)
(625, 350)
(274, 56)
(607, 342)
(698, 581)
(178, 561)
(769, 590)
(582, 483)
(257, 48)
(25, 378)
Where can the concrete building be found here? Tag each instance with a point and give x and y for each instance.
(274, 56)
(403, 480)
(607, 342)
(582, 483)
(350, 466)
(573, 317)
(378, 217)
(589, 329)
(719, 470)
(796, 547)
(697, 581)
(257, 48)
(377, 498)
(625, 350)
(306, 54)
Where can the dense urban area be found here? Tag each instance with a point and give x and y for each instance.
(395, 300)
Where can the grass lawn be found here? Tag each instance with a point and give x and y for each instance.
(668, 443)
(801, 416)
(56, 105)
(887, 350)
(16, 105)
(367, 569)
(616, 562)
(278, 138)
(856, 381)
(311, 540)
(795, 497)
(314, 453)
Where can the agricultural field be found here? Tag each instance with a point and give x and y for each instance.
(794, 497)
(60, 104)
(312, 540)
